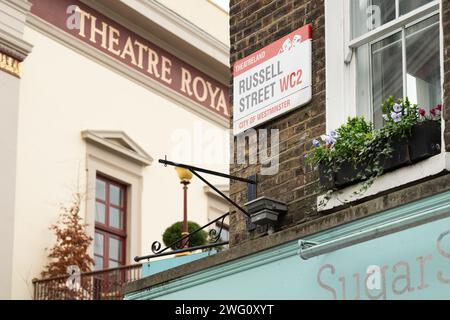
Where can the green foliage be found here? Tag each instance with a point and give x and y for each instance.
(174, 233)
(351, 141)
(399, 117)
(357, 143)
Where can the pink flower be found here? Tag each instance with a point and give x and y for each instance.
(433, 111)
(439, 107)
(422, 112)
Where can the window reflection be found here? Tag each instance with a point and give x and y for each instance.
(387, 73)
(423, 63)
(410, 5)
(368, 15)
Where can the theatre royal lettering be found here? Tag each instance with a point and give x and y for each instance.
(123, 45)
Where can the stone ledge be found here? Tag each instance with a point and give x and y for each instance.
(390, 199)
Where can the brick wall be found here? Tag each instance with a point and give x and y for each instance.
(446, 28)
(253, 25)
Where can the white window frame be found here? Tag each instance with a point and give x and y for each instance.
(125, 165)
(341, 93)
(341, 69)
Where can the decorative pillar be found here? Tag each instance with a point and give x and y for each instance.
(13, 50)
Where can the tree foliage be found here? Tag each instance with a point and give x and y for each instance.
(173, 233)
(72, 242)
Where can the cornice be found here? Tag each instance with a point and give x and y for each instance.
(21, 5)
(176, 24)
(11, 42)
(13, 46)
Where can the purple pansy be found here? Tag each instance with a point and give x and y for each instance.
(333, 134)
(316, 143)
(396, 116)
(397, 107)
(329, 141)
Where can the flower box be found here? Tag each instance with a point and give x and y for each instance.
(348, 174)
(425, 140)
(423, 143)
(409, 135)
(326, 178)
(399, 156)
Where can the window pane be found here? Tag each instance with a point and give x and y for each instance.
(100, 212)
(115, 195)
(115, 218)
(98, 263)
(115, 249)
(409, 5)
(423, 63)
(387, 74)
(363, 90)
(113, 264)
(98, 244)
(100, 188)
(368, 15)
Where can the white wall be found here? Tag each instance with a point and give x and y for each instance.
(62, 94)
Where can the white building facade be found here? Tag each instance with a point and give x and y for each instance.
(93, 93)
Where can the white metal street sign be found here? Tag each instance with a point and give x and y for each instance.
(273, 80)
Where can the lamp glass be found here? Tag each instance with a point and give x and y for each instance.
(184, 174)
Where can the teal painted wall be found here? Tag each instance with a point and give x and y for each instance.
(154, 267)
(412, 264)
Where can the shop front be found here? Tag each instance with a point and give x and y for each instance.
(403, 253)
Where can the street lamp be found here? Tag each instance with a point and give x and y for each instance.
(185, 176)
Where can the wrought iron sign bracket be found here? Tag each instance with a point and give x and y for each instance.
(195, 170)
(213, 233)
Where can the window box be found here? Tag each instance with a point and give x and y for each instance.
(348, 174)
(326, 179)
(424, 142)
(400, 155)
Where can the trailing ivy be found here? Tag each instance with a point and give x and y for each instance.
(365, 149)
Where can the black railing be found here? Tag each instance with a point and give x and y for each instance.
(177, 246)
(96, 285)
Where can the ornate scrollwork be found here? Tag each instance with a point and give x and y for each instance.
(214, 235)
(183, 242)
(156, 246)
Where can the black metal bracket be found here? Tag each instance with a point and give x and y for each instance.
(208, 246)
(166, 163)
(305, 244)
(214, 235)
(215, 173)
(251, 195)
